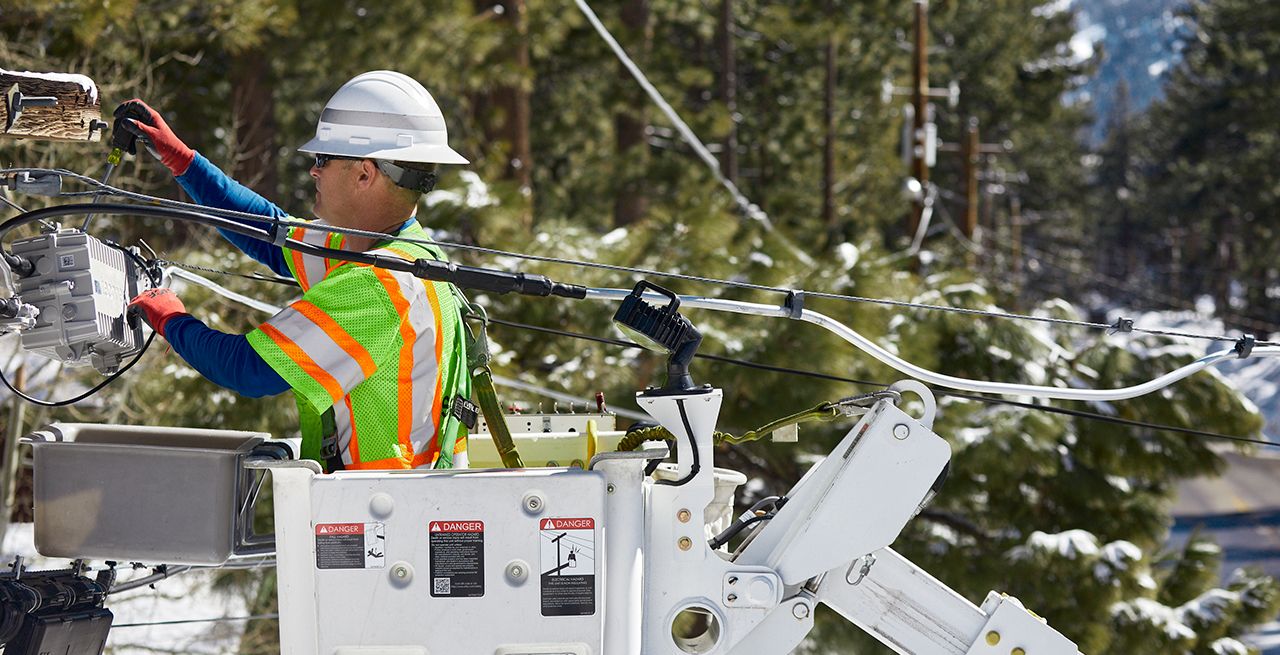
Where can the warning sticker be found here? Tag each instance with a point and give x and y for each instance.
(457, 558)
(350, 545)
(568, 580)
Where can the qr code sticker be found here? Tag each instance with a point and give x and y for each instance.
(441, 586)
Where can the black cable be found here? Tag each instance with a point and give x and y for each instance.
(278, 223)
(942, 392)
(220, 619)
(402, 265)
(273, 279)
(733, 530)
(693, 445)
(713, 358)
(96, 389)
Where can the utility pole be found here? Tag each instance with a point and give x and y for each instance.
(1015, 247)
(728, 89)
(971, 157)
(920, 101)
(972, 150)
(920, 133)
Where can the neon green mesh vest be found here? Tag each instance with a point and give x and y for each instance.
(374, 357)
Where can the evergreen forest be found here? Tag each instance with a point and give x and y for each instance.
(801, 106)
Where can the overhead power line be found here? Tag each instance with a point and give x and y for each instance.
(752, 210)
(641, 271)
(1092, 416)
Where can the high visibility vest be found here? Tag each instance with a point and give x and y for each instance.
(374, 357)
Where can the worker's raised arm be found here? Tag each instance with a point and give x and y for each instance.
(204, 182)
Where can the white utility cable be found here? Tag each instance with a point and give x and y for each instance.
(931, 377)
(752, 210)
(175, 272)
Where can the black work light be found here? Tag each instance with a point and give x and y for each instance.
(661, 329)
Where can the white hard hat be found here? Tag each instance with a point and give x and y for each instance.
(383, 115)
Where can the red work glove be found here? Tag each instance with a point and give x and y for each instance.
(136, 117)
(157, 306)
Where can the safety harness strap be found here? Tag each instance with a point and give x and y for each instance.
(482, 385)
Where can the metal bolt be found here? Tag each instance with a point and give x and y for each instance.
(732, 598)
(901, 431)
(733, 579)
(517, 572)
(800, 611)
(400, 572)
(552, 463)
(610, 488)
(685, 543)
(684, 515)
(993, 638)
(1018, 651)
(534, 503)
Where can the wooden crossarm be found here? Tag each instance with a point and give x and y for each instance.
(77, 116)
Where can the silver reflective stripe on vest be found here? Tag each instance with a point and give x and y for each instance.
(379, 119)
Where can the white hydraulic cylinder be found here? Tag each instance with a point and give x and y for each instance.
(910, 611)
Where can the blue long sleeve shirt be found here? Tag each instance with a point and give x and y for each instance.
(228, 359)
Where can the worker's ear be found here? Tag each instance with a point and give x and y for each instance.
(368, 174)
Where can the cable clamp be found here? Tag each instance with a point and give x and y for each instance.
(794, 304)
(279, 233)
(1244, 346)
(861, 404)
(1122, 324)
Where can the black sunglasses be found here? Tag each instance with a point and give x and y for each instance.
(323, 160)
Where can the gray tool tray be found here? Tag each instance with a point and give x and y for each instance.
(146, 494)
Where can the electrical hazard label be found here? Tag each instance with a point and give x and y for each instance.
(568, 580)
(457, 558)
(351, 545)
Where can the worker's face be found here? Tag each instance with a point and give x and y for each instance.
(342, 186)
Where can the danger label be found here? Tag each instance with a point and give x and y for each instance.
(457, 558)
(350, 545)
(568, 580)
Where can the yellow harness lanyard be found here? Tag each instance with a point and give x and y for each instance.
(478, 359)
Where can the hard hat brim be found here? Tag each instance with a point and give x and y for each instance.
(424, 153)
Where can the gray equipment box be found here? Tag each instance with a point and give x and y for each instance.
(145, 494)
(81, 287)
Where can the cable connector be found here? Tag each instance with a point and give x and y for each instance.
(1244, 346)
(1122, 324)
(794, 304)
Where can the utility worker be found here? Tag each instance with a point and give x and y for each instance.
(375, 358)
